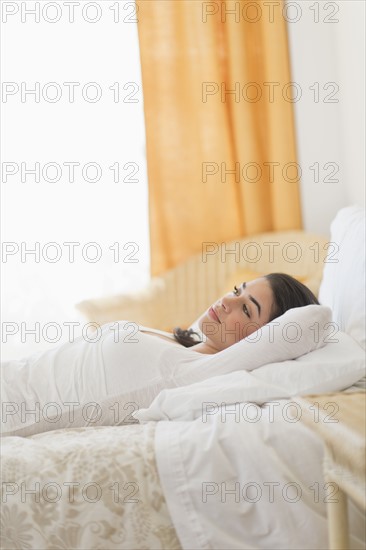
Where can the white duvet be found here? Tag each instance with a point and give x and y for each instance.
(238, 468)
(241, 484)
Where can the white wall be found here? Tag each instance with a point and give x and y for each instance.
(325, 51)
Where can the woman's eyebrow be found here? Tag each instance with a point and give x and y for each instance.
(252, 299)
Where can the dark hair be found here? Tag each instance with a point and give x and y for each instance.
(288, 293)
(185, 337)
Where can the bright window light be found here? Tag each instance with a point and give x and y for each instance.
(74, 185)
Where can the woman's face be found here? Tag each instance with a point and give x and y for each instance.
(237, 314)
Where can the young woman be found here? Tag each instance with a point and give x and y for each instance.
(130, 364)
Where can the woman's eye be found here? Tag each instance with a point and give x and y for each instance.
(245, 309)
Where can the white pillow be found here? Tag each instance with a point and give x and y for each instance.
(331, 368)
(343, 284)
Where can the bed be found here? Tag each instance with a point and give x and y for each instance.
(218, 464)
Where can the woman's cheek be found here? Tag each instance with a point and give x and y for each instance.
(232, 332)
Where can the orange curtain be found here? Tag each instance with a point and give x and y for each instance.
(220, 137)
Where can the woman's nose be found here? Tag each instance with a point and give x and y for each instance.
(226, 303)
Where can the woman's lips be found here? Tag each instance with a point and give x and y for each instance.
(213, 314)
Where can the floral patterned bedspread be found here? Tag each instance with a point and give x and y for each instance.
(84, 488)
